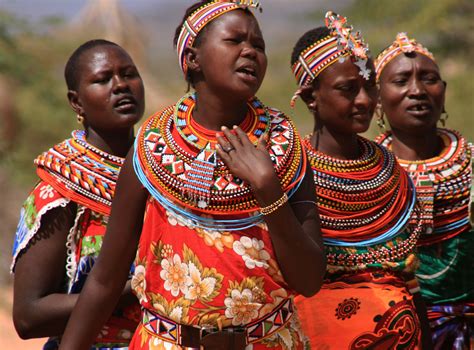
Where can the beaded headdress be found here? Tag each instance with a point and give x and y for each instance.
(341, 42)
(402, 44)
(201, 17)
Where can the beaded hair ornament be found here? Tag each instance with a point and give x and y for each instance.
(340, 43)
(203, 16)
(402, 44)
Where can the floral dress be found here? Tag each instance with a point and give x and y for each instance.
(206, 258)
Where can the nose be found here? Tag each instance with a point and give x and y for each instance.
(416, 88)
(363, 99)
(248, 50)
(120, 83)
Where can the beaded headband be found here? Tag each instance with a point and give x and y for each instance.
(201, 17)
(341, 42)
(402, 44)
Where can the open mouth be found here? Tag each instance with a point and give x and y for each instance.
(422, 107)
(125, 103)
(250, 71)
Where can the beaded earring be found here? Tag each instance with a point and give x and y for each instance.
(80, 119)
(379, 113)
(444, 117)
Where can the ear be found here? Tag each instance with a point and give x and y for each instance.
(74, 102)
(191, 57)
(308, 95)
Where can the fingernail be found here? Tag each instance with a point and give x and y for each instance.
(235, 126)
(223, 128)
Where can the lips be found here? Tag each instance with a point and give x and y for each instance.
(248, 72)
(125, 103)
(419, 109)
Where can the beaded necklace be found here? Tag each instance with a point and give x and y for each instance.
(364, 201)
(175, 159)
(443, 186)
(81, 172)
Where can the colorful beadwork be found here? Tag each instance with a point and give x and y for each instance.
(402, 44)
(81, 172)
(443, 185)
(367, 208)
(342, 42)
(203, 16)
(176, 160)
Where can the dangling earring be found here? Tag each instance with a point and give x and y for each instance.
(444, 117)
(379, 114)
(80, 119)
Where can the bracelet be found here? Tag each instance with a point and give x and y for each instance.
(275, 205)
(413, 286)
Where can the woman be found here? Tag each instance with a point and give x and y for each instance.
(205, 193)
(63, 220)
(439, 161)
(365, 199)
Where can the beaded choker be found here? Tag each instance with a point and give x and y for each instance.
(81, 172)
(176, 161)
(443, 186)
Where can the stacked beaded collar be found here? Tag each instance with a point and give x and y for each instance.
(81, 172)
(342, 42)
(402, 44)
(364, 201)
(176, 161)
(367, 207)
(203, 16)
(443, 185)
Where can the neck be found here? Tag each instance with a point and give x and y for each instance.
(213, 112)
(416, 146)
(343, 147)
(116, 143)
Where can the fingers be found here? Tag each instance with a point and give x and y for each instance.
(262, 144)
(224, 144)
(223, 155)
(232, 138)
(244, 139)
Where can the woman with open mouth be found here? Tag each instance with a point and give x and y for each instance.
(217, 196)
(439, 160)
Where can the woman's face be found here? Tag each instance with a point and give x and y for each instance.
(110, 92)
(344, 100)
(412, 93)
(231, 59)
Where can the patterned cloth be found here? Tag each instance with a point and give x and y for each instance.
(74, 157)
(446, 273)
(364, 302)
(204, 277)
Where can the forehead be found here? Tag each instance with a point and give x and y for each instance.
(341, 71)
(237, 20)
(408, 62)
(103, 55)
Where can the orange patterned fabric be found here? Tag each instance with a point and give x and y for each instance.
(369, 311)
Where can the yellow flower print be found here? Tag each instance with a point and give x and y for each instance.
(139, 283)
(199, 288)
(252, 252)
(175, 274)
(240, 307)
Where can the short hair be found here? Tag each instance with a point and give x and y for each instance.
(308, 39)
(71, 71)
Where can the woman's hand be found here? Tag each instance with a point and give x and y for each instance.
(249, 163)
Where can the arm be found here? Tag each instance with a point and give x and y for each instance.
(40, 307)
(102, 289)
(294, 229)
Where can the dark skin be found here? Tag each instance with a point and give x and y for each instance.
(342, 103)
(412, 96)
(110, 97)
(220, 104)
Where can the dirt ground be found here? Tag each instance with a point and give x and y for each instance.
(11, 198)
